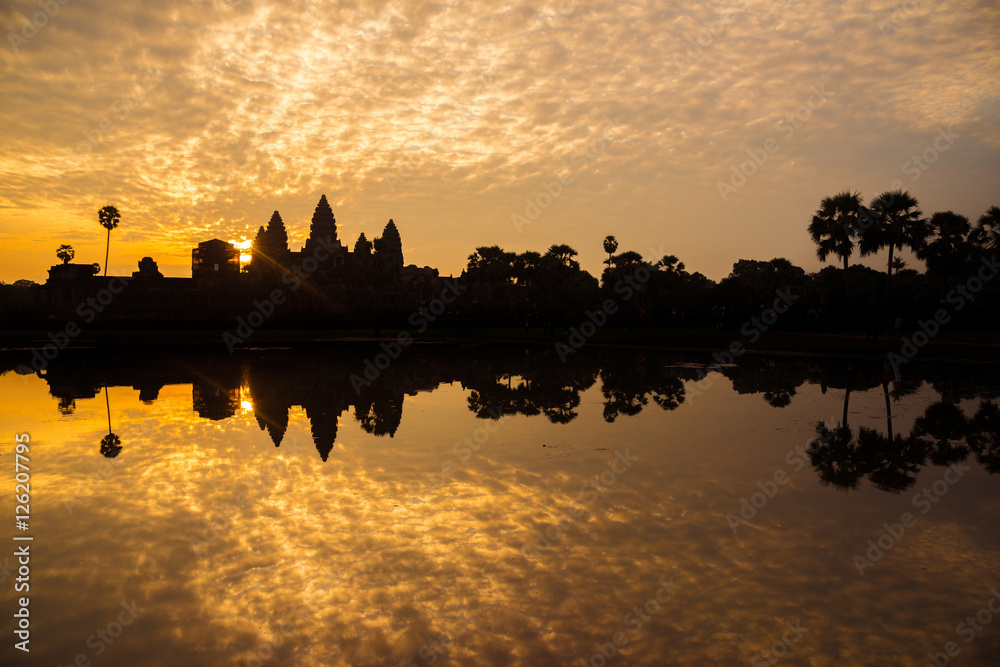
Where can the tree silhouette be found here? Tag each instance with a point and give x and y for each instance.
(834, 228)
(109, 218)
(950, 251)
(987, 232)
(984, 436)
(65, 253)
(610, 246)
(898, 224)
(564, 254)
(837, 457)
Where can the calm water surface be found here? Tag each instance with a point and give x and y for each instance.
(494, 506)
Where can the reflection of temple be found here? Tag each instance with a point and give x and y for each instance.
(214, 401)
(505, 380)
(321, 385)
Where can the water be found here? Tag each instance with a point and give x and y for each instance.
(492, 505)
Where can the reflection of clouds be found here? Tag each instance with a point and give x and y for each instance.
(383, 565)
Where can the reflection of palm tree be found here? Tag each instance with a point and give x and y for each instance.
(890, 462)
(562, 408)
(836, 457)
(983, 436)
(111, 444)
(895, 461)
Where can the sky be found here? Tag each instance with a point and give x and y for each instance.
(710, 131)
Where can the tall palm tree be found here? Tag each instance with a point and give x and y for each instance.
(987, 232)
(610, 246)
(108, 217)
(834, 228)
(898, 224)
(950, 250)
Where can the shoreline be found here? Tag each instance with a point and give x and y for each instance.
(963, 346)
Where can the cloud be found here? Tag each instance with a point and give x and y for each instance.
(260, 106)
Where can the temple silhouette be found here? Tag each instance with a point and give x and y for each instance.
(323, 278)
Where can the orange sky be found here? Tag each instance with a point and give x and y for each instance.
(197, 120)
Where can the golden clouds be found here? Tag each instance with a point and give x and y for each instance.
(432, 113)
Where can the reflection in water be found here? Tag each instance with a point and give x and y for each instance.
(534, 381)
(267, 512)
(111, 444)
(892, 461)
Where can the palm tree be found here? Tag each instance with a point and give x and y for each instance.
(898, 224)
(564, 254)
(610, 246)
(834, 228)
(108, 217)
(987, 232)
(65, 253)
(951, 249)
